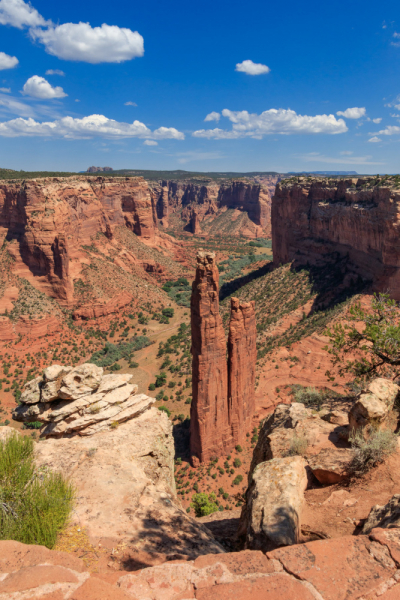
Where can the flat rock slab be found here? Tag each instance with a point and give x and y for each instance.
(331, 465)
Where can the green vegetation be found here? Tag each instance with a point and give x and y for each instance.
(179, 291)
(165, 409)
(111, 353)
(298, 445)
(34, 504)
(372, 450)
(204, 504)
(376, 344)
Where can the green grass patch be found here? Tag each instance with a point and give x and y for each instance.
(34, 504)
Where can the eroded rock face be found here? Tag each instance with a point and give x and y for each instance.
(223, 394)
(124, 477)
(210, 433)
(47, 220)
(274, 503)
(79, 400)
(387, 516)
(318, 220)
(242, 356)
(202, 203)
(374, 406)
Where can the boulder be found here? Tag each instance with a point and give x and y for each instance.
(31, 392)
(386, 517)
(82, 380)
(274, 503)
(337, 417)
(52, 377)
(368, 412)
(331, 465)
(385, 390)
(112, 382)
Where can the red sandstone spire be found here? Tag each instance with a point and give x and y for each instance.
(242, 355)
(209, 426)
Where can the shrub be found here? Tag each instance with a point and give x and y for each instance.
(112, 352)
(166, 410)
(152, 387)
(369, 452)
(239, 448)
(308, 395)
(298, 445)
(168, 312)
(161, 379)
(133, 365)
(237, 463)
(204, 504)
(238, 479)
(33, 507)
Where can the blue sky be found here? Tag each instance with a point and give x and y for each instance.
(130, 85)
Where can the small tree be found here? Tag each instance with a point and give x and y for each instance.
(204, 504)
(376, 343)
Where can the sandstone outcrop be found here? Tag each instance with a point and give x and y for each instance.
(374, 406)
(344, 568)
(242, 356)
(274, 503)
(199, 204)
(210, 433)
(80, 401)
(102, 309)
(46, 222)
(318, 220)
(223, 393)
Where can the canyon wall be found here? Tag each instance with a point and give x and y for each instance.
(211, 200)
(223, 392)
(47, 220)
(318, 220)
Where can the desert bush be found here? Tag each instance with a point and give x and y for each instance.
(369, 452)
(165, 409)
(237, 463)
(238, 479)
(298, 445)
(204, 504)
(110, 353)
(34, 504)
(308, 395)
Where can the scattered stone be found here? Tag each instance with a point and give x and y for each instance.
(331, 465)
(386, 516)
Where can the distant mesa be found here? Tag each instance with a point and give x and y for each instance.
(99, 169)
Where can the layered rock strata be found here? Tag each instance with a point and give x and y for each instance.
(199, 203)
(319, 220)
(223, 393)
(46, 221)
(79, 400)
(242, 356)
(210, 433)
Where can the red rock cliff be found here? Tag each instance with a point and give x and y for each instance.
(212, 199)
(317, 220)
(48, 220)
(209, 425)
(242, 356)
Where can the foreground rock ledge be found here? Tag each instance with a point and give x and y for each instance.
(348, 568)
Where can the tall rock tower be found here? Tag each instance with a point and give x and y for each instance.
(223, 390)
(242, 356)
(210, 432)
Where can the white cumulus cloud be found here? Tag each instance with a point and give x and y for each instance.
(18, 13)
(396, 35)
(389, 130)
(213, 116)
(150, 143)
(273, 121)
(7, 61)
(87, 127)
(55, 72)
(352, 113)
(378, 120)
(39, 87)
(81, 42)
(5, 90)
(130, 103)
(374, 139)
(251, 68)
